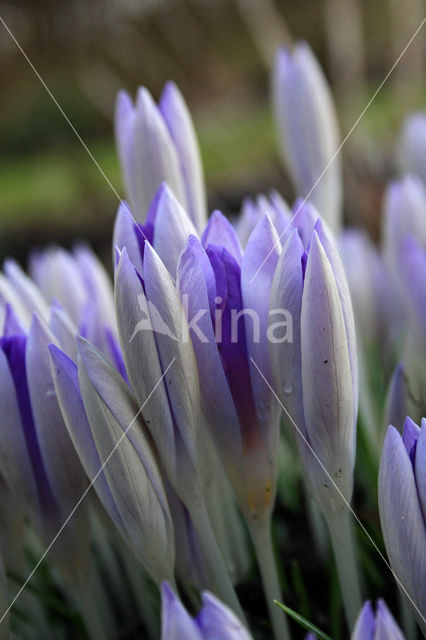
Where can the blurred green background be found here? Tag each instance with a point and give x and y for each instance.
(220, 53)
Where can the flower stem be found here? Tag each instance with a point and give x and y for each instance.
(214, 558)
(262, 542)
(341, 533)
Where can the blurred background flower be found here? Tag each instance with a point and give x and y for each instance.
(219, 52)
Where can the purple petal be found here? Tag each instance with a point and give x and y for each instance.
(365, 624)
(233, 344)
(220, 232)
(16, 464)
(194, 280)
(177, 624)
(14, 349)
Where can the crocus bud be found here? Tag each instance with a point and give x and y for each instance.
(214, 620)
(99, 409)
(228, 312)
(76, 282)
(402, 504)
(413, 145)
(376, 625)
(254, 209)
(158, 144)
(316, 372)
(403, 214)
(308, 130)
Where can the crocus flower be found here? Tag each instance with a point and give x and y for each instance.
(156, 144)
(308, 130)
(214, 620)
(153, 328)
(317, 381)
(378, 625)
(402, 503)
(37, 458)
(413, 145)
(316, 372)
(98, 408)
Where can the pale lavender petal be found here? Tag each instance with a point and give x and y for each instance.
(179, 122)
(154, 155)
(308, 130)
(420, 466)
(174, 347)
(140, 353)
(63, 469)
(26, 289)
(386, 626)
(326, 375)
(285, 349)
(131, 467)
(171, 230)
(65, 377)
(257, 271)
(217, 621)
(125, 235)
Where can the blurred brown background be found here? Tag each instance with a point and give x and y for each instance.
(220, 53)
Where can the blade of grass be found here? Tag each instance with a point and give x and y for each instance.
(303, 622)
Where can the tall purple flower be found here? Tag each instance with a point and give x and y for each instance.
(156, 144)
(402, 503)
(308, 130)
(317, 380)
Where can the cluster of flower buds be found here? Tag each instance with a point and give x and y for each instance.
(164, 392)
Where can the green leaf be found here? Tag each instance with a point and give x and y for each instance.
(303, 622)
